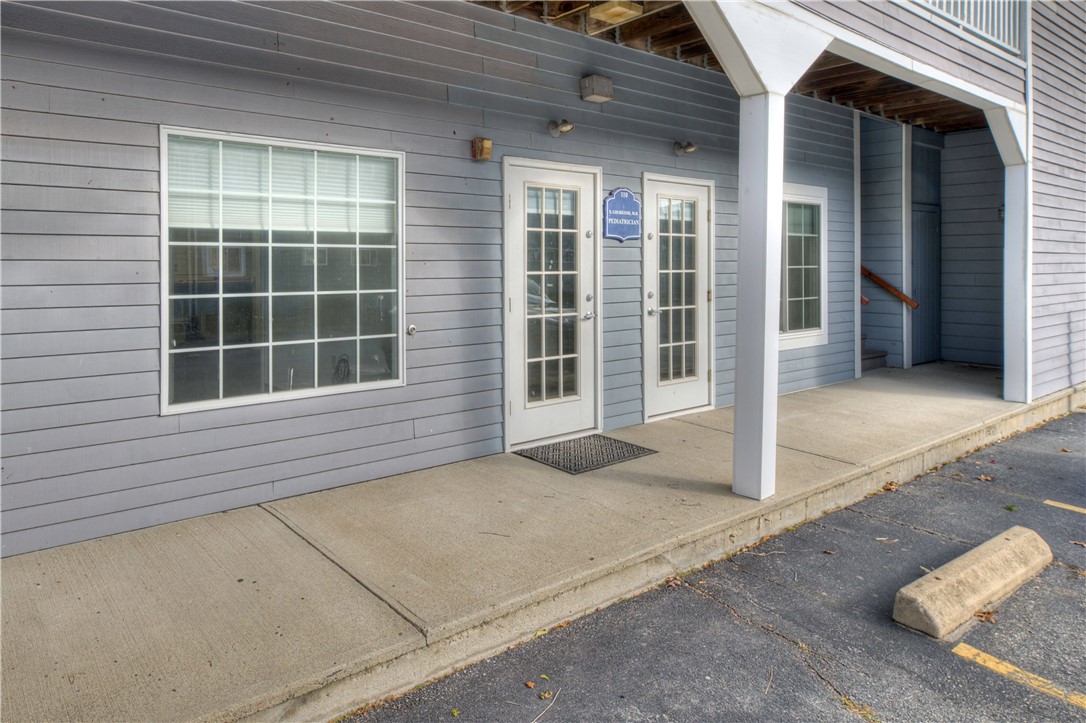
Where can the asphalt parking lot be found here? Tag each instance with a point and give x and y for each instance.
(799, 627)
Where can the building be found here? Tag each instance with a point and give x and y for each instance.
(248, 253)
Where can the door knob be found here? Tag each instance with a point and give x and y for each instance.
(652, 311)
(589, 315)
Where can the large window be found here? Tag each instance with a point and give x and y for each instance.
(282, 269)
(804, 259)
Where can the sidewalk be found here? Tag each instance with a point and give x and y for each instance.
(310, 606)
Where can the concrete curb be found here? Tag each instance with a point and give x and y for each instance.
(473, 640)
(947, 597)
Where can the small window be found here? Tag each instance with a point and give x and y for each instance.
(281, 270)
(803, 268)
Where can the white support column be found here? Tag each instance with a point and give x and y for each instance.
(1017, 283)
(761, 187)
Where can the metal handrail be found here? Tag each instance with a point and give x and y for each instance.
(893, 290)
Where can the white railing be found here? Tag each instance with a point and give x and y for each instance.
(998, 21)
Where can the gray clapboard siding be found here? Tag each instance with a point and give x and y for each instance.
(1059, 228)
(819, 136)
(932, 42)
(81, 163)
(71, 296)
(881, 234)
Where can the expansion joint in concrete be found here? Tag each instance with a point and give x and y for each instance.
(401, 610)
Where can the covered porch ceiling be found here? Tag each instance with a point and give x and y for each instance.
(665, 28)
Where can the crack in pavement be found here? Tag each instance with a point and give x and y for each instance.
(806, 651)
(915, 528)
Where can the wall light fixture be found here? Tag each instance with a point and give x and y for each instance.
(557, 128)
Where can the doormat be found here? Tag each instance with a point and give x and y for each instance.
(585, 453)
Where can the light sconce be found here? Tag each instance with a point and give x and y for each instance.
(557, 128)
(684, 148)
(597, 89)
(481, 149)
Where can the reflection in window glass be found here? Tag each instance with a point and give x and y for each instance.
(283, 268)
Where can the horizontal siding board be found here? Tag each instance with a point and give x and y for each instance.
(77, 295)
(33, 247)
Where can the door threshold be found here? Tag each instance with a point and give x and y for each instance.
(680, 413)
(551, 440)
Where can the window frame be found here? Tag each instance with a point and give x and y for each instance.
(814, 196)
(165, 407)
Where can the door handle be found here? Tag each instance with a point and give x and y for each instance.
(651, 311)
(589, 315)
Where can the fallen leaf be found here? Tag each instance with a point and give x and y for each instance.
(1012, 508)
(829, 552)
(1076, 542)
(673, 582)
(925, 569)
(455, 712)
(985, 478)
(703, 582)
(541, 632)
(546, 694)
(890, 486)
(529, 683)
(1064, 449)
(544, 677)
(986, 616)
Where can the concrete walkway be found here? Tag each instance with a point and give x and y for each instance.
(308, 607)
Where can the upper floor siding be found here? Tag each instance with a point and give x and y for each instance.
(911, 28)
(1059, 195)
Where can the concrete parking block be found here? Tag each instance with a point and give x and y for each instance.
(947, 597)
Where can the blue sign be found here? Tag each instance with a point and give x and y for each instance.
(621, 215)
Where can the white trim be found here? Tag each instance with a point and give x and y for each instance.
(857, 242)
(1018, 257)
(167, 409)
(812, 195)
(511, 162)
(906, 243)
(856, 47)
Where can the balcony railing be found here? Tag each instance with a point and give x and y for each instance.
(997, 21)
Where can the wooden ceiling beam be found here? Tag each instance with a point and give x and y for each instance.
(595, 27)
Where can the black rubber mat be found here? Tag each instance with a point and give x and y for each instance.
(585, 453)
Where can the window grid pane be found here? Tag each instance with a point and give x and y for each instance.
(801, 294)
(278, 279)
(676, 289)
(551, 292)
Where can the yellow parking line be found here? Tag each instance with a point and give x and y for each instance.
(1018, 675)
(1065, 506)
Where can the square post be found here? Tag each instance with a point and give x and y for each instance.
(761, 189)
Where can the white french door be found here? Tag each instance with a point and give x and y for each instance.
(551, 289)
(677, 303)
